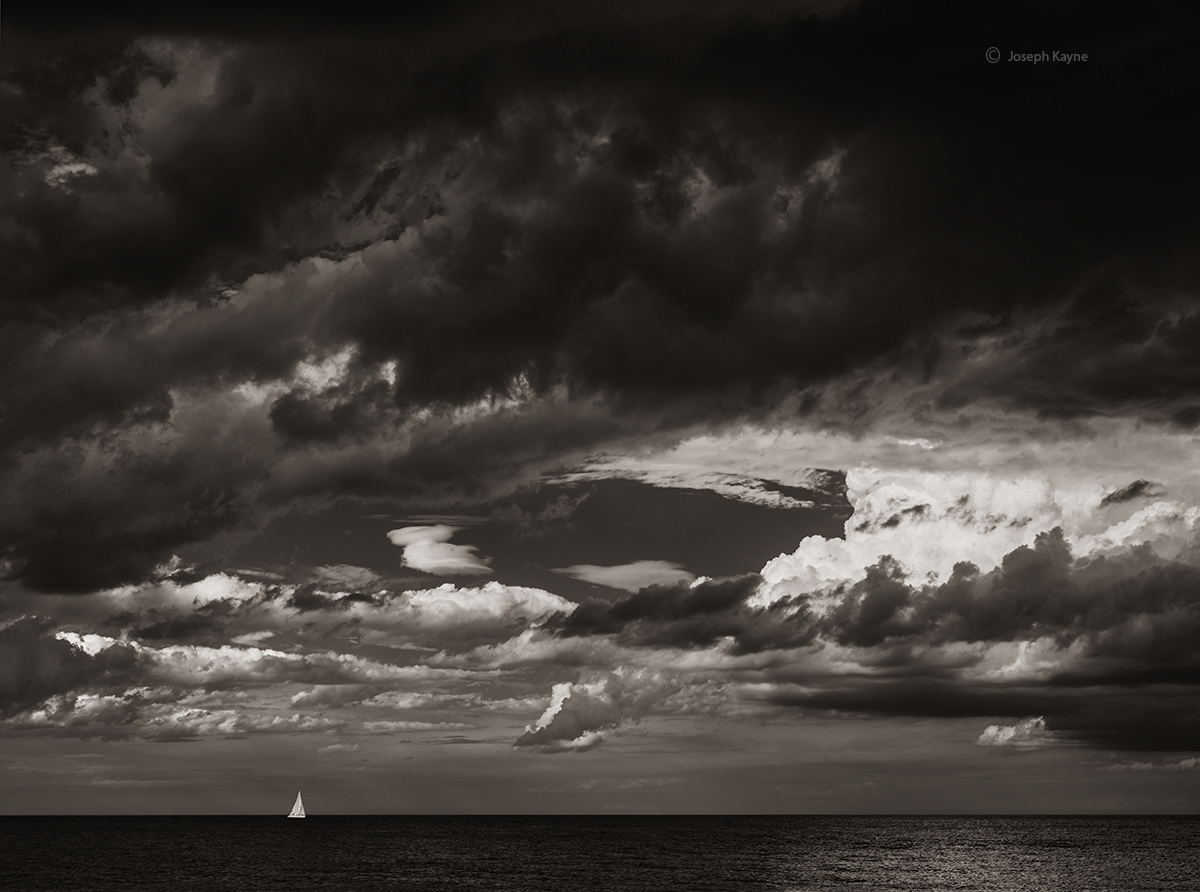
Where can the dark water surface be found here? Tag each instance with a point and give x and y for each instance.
(353, 853)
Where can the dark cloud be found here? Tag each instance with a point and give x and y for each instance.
(197, 628)
(1133, 604)
(339, 413)
(1102, 348)
(1121, 668)
(1130, 619)
(659, 603)
(1104, 717)
(1136, 490)
(36, 665)
(696, 615)
(306, 598)
(658, 216)
(288, 122)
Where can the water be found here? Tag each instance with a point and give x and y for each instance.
(803, 854)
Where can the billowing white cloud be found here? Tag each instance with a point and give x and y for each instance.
(1166, 525)
(630, 577)
(88, 643)
(194, 665)
(469, 610)
(168, 594)
(929, 521)
(1027, 734)
(189, 665)
(223, 608)
(429, 550)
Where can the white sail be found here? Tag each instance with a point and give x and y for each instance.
(298, 808)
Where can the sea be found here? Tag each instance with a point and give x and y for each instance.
(799, 854)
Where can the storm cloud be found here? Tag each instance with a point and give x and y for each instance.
(679, 218)
(572, 373)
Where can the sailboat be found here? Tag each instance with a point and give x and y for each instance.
(298, 808)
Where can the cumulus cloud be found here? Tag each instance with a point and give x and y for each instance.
(450, 614)
(160, 713)
(224, 308)
(929, 522)
(1168, 526)
(81, 683)
(582, 714)
(1027, 734)
(577, 719)
(1045, 632)
(221, 610)
(36, 663)
(194, 665)
(91, 685)
(429, 550)
(632, 576)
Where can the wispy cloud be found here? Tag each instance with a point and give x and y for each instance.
(632, 576)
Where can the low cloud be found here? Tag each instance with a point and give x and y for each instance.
(693, 615)
(346, 577)
(630, 577)
(1101, 648)
(578, 719)
(220, 611)
(1024, 735)
(1191, 763)
(392, 727)
(333, 695)
(338, 748)
(36, 664)
(162, 714)
(582, 714)
(451, 612)
(429, 550)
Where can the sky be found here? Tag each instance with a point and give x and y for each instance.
(628, 407)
